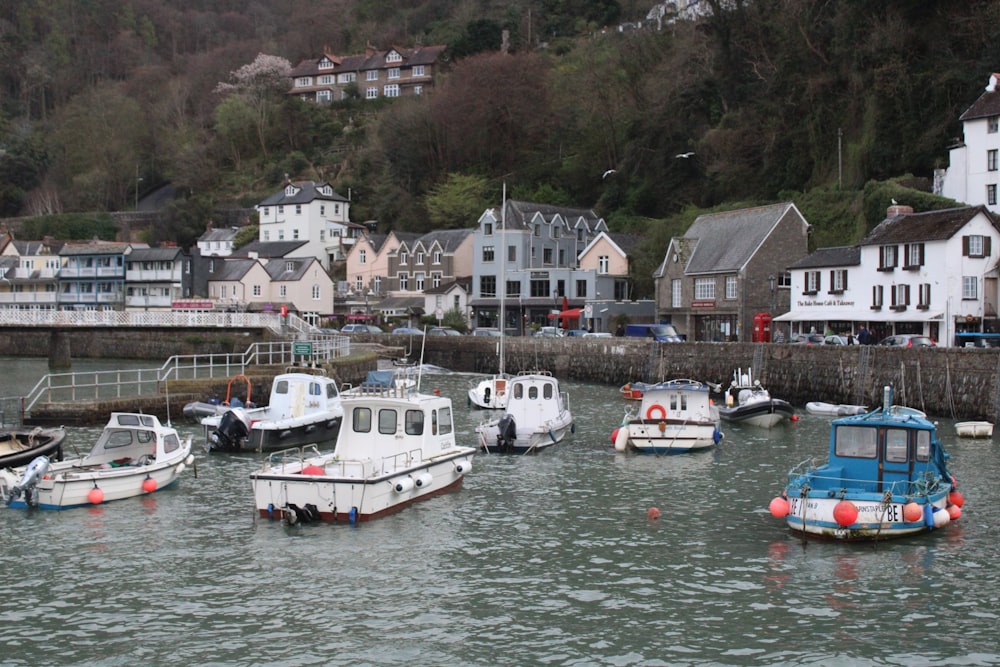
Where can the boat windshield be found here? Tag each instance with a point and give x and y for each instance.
(856, 442)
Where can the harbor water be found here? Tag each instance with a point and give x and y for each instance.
(545, 559)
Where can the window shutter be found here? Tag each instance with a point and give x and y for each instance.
(921, 253)
(906, 295)
(965, 246)
(844, 273)
(986, 246)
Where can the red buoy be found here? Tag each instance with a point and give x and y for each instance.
(614, 436)
(954, 511)
(779, 507)
(96, 496)
(793, 418)
(149, 485)
(313, 470)
(956, 498)
(845, 513)
(912, 512)
(653, 513)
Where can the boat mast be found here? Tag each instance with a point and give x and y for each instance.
(502, 287)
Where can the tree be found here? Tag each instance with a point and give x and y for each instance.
(458, 201)
(260, 86)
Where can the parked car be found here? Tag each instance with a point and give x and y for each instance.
(360, 329)
(907, 340)
(598, 334)
(408, 331)
(329, 330)
(443, 331)
(807, 339)
(549, 332)
(486, 331)
(840, 340)
(577, 332)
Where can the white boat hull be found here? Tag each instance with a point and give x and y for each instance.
(814, 516)
(974, 429)
(661, 437)
(490, 394)
(835, 409)
(352, 491)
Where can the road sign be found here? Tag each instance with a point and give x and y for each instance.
(304, 349)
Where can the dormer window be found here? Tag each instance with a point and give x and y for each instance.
(290, 190)
(289, 266)
(488, 229)
(402, 258)
(393, 57)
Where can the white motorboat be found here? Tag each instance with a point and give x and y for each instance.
(674, 416)
(747, 402)
(134, 455)
(537, 416)
(974, 429)
(212, 407)
(835, 409)
(303, 409)
(395, 447)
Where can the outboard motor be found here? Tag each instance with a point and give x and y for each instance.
(32, 473)
(506, 433)
(233, 429)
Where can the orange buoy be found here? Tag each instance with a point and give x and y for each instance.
(954, 511)
(956, 498)
(793, 418)
(149, 485)
(614, 436)
(845, 513)
(313, 470)
(96, 496)
(912, 512)
(779, 507)
(653, 513)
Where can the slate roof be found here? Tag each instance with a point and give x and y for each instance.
(168, 253)
(279, 271)
(927, 226)
(232, 269)
(419, 55)
(727, 240)
(464, 282)
(830, 257)
(987, 105)
(518, 213)
(37, 248)
(222, 234)
(448, 239)
(269, 249)
(96, 248)
(627, 242)
(307, 191)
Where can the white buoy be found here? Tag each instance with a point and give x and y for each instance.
(423, 480)
(403, 485)
(621, 440)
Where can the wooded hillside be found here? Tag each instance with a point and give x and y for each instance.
(771, 97)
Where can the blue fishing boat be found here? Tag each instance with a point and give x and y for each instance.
(886, 476)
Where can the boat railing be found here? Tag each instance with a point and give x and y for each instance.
(292, 457)
(926, 483)
(370, 389)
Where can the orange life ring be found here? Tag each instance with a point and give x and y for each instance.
(656, 407)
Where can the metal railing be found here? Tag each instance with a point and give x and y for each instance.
(141, 318)
(106, 385)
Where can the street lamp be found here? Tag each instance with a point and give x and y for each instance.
(771, 280)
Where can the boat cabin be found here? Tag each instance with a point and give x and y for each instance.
(881, 451)
(398, 423)
(129, 437)
(296, 394)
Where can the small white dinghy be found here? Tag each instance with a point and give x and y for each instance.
(974, 429)
(835, 409)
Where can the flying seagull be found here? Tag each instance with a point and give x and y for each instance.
(607, 173)
(685, 155)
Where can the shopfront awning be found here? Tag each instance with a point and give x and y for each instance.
(571, 314)
(884, 315)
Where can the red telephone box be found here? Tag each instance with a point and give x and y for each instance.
(762, 328)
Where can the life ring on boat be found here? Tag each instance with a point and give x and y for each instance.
(656, 408)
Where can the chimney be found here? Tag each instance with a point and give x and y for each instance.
(369, 49)
(991, 87)
(897, 209)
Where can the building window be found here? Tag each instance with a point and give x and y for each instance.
(704, 288)
(371, 93)
(362, 256)
(303, 82)
(418, 281)
(991, 194)
(900, 297)
(540, 288)
(391, 90)
(418, 70)
(404, 282)
(838, 281)
(488, 229)
(371, 75)
(887, 258)
(512, 253)
(675, 293)
(514, 288)
(436, 257)
(991, 160)
(876, 297)
(393, 57)
(256, 290)
(581, 289)
(731, 283)
(403, 256)
(488, 253)
(377, 284)
(435, 280)
(418, 90)
(813, 282)
(976, 245)
(970, 287)
(315, 292)
(914, 255)
(295, 234)
(393, 72)
(487, 286)
(603, 264)
(547, 256)
(991, 124)
(420, 258)
(283, 291)
(924, 299)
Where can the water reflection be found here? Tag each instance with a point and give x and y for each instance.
(542, 559)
